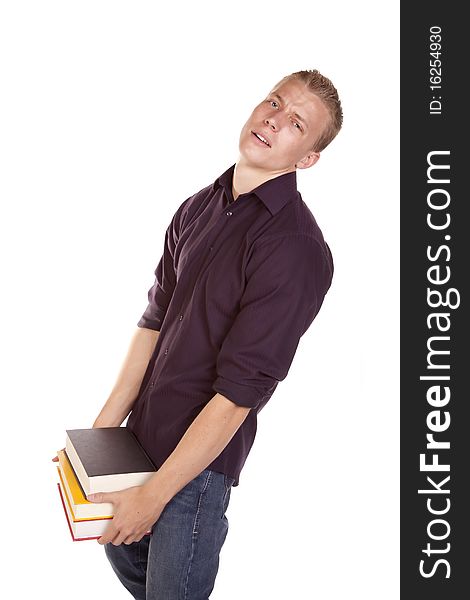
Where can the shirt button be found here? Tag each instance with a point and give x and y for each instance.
(181, 317)
(166, 351)
(211, 248)
(151, 384)
(229, 213)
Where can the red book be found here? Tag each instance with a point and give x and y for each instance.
(84, 529)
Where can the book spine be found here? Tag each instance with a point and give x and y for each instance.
(77, 466)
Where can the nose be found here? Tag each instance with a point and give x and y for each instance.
(271, 123)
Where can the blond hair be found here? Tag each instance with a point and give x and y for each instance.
(322, 87)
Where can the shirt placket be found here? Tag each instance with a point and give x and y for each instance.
(226, 216)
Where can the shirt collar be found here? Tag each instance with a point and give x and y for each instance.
(274, 193)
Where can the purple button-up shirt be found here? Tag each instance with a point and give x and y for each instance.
(238, 284)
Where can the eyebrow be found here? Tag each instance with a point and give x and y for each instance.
(296, 115)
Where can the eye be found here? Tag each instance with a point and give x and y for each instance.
(297, 125)
(274, 104)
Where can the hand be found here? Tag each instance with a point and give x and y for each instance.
(56, 458)
(135, 512)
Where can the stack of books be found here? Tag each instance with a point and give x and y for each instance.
(106, 459)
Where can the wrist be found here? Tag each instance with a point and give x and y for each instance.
(110, 416)
(100, 422)
(162, 489)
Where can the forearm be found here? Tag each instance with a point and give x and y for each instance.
(203, 441)
(124, 393)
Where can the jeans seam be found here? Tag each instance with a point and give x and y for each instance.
(230, 481)
(139, 558)
(194, 532)
(227, 486)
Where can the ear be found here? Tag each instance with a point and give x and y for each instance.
(308, 160)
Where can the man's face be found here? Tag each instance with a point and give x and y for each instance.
(290, 120)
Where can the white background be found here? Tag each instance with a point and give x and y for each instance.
(113, 113)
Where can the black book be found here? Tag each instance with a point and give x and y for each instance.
(107, 459)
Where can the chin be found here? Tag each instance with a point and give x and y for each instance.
(252, 160)
(252, 156)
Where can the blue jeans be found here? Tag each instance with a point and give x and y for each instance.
(180, 559)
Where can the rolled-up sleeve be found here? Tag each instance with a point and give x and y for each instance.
(161, 292)
(286, 280)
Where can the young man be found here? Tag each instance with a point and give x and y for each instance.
(244, 272)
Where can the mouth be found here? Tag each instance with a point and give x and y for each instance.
(261, 138)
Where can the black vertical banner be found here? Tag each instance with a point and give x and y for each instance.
(435, 270)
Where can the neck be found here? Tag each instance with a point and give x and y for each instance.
(247, 177)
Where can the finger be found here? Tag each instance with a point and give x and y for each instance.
(130, 540)
(56, 458)
(118, 540)
(133, 538)
(109, 535)
(100, 497)
(113, 536)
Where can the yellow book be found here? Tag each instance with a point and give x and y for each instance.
(80, 508)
